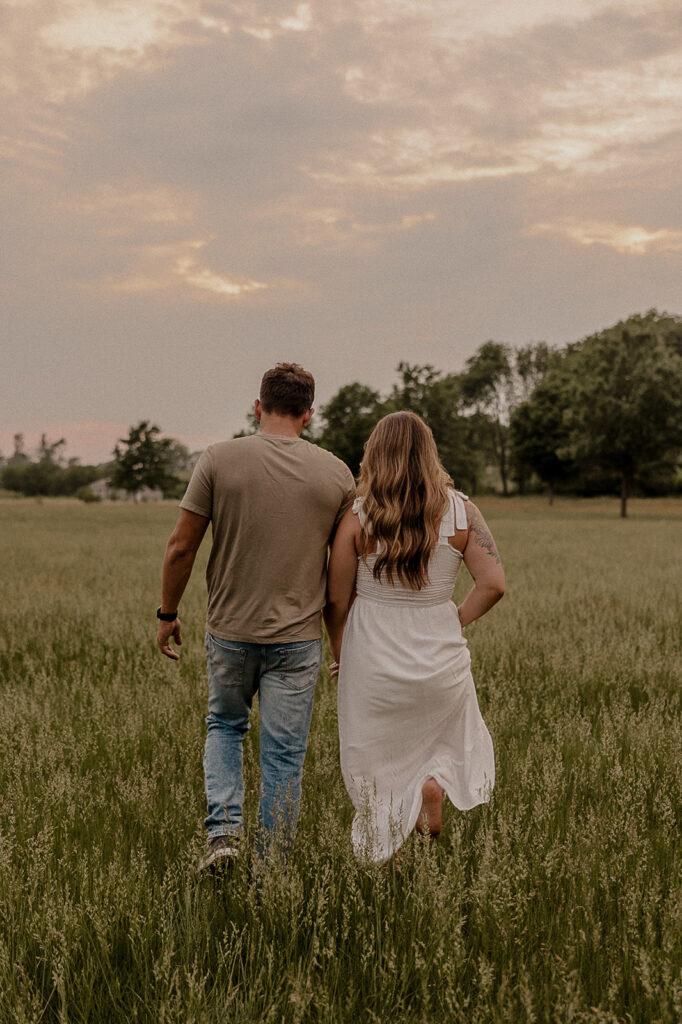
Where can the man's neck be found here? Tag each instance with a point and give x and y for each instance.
(281, 426)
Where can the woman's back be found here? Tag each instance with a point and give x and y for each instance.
(442, 570)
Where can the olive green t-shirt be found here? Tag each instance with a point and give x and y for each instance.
(274, 503)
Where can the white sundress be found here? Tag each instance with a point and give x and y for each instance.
(407, 704)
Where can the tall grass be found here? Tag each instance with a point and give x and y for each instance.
(561, 900)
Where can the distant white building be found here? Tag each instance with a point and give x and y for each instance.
(104, 490)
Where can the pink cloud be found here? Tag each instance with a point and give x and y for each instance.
(91, 442)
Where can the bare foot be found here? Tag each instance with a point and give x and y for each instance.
(430, 820)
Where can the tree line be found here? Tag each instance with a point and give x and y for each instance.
(48, 474)
(143, 459)
(600, 416)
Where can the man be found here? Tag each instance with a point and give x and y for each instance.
(274, 501)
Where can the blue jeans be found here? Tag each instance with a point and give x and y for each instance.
(284, 675)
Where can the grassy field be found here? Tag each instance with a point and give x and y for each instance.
(561, 900)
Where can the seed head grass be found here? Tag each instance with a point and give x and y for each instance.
(560, 900)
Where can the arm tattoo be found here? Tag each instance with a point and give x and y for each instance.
(482, 535)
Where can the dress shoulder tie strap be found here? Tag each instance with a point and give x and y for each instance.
(460, 510)
(359, 511)
(455, 517)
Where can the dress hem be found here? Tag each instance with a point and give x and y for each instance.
(482, 796)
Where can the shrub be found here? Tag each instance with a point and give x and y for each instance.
(87, 495)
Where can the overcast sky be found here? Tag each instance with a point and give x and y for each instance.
(194, 190)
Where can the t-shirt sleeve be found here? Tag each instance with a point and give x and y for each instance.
(199, 494)
(348, 497)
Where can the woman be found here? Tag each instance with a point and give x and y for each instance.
(409, 722)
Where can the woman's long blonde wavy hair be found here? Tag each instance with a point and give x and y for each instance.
(405, 495)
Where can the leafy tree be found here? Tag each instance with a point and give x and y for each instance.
(47, 478)
(664, 327)
(497, 378)
(18, 456)
(252, 425)
(539, 433)
(145, 459)
(532, 363)
(415, 389)
(51, 451)
(75, 476)
(347, 421)
(625, 411)
(488, 388)
(87, 495)
(31, 478)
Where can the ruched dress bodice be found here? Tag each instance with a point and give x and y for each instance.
(443, 568)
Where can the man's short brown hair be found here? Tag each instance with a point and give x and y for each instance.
(287, 390)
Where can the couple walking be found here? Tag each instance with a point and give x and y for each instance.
(409, 723)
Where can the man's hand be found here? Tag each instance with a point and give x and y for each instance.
(166, 631)
(181, 550)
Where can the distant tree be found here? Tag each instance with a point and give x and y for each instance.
(625, 410)
(348, 419)
(532, 363)
(252, 425)
(145, 459)
(496, 379)
(51, 451)
(489, 388)
(539, 433)
(87, 495)
(47, 478)
(75, 477)
(18, 456)
(28, 479)
(665, 327)
(415, 389)
(352, 413)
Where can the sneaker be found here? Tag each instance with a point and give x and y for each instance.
(220, 855)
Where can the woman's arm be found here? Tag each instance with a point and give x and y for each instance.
(341, 572)
(483, 562)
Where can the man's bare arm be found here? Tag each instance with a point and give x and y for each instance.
(178, 562)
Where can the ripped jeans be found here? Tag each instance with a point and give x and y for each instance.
(284, 676)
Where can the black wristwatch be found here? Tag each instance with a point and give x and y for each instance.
(166, 616)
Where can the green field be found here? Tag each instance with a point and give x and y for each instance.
(561, 900)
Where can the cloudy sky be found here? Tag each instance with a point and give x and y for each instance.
(194, 190)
